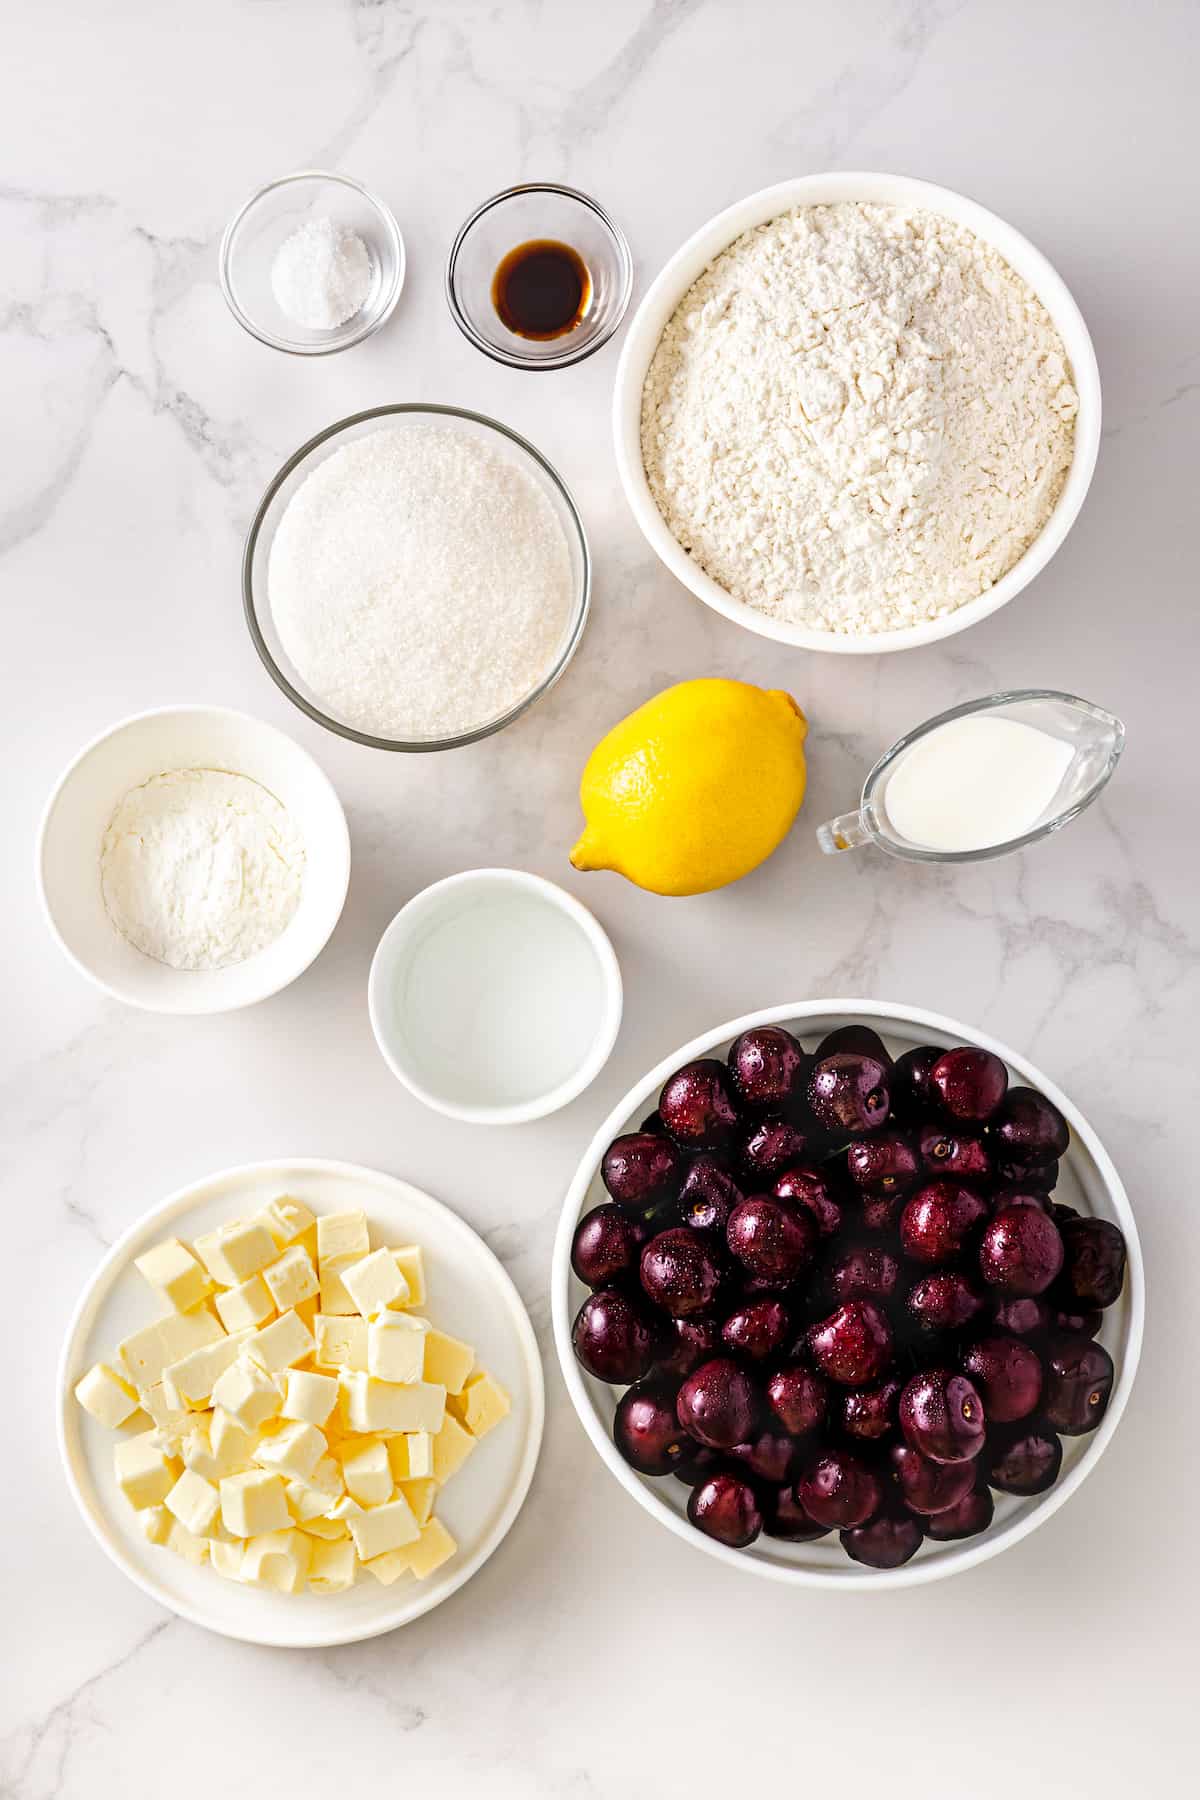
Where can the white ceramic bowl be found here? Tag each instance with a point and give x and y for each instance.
(690, 261)
(79, 809)
(470, 1295)
(1087, 1181)
(495, 997)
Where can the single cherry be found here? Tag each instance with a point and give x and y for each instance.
(883, 1163)
(886, 1542)
(839, 1489)
(717, 1404)
(785, 1516)
(613, 1338)
(943, 1301)
(810, 1189)
(969, 1083)
(766, 1067)
(758, 1329)
(1029, 1127)
(870, 1413)
(769, 1146)
(1025, 1317)
(927, 1486)
(853, 1345)
(679, 1272)
(641, 1170)
(1024, 1459)
(1094, 1261)
(848, 1092)
(938, 1221)
(799, 1399)
(772, 1456)
(913, 1098)
(863, 1271)
(1021, 1251)
(954, 1155)
(858, 1040)
(647, 1431)
(1079, 1379)
(726, 1508)
(697, 1107)
(686, 1343)
(606, 1245)
(942, 1416)
(708, 1195)
(1008, 1374)
(972, 1515)
(770, 1237)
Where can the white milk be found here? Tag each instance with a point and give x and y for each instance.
(974, 782)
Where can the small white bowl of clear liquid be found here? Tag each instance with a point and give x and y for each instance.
(495, 997)
(985, 778)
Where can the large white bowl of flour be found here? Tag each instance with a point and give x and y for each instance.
(886, 511)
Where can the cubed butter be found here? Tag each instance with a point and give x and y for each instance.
(451, 1448)
(375, 1281)
(278, 1560)
(173, 1272)
(411, 1455)
(396, 1344)
(293, 1450)
(227, 1559)
(323, 1527)
(190, 1381)
(342, 1234)
(309, 1396)
(291, 1278)
(154, 1522)
(304, 1503)
(334, 1297)
(144, 1474)
(167, 1418)
(291, 1218)
(277, 1346)
(108, 1397)
(434, 1547)
(341, 1341)
(367, 1472)
(447, 1360)
(382, 1528)
(410, 1260)
(235, 1252)
(482, 1404)
(246, 1306)
(195, 1502)
(253, 1503)
(247, 1393)
(185, 1543)
(231, 1442)
(420, 1496)
(146, 1353)
(387, 1406)
(389, 1567)
(333, 1567)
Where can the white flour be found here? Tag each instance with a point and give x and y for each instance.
(420, 582)
(858, 418)
(201, 869)
(321, 275)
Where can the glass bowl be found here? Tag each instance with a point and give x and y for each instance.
(259, 538)
(267, 219)
(517, 216)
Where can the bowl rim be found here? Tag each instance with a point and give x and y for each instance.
(564, 358)
(608, 1023)
(339, 849)
(582, 599)
(686, 265)
(335, 342)
(952, 1560)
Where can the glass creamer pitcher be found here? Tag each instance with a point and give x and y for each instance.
(1032, 765)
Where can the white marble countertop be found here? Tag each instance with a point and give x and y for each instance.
(595, 1655)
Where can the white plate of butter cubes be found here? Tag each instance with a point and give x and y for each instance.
(300, 1403)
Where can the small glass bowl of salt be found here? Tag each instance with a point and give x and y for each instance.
(312, 263)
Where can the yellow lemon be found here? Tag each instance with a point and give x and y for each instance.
(694, 789)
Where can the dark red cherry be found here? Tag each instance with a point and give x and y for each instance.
(929, 1487)
(953, 1155)
(726, 1508)
(708, 1195)
(1079, 1379)
(1024, 1459)
(766, 1067)
(1025, 1317)
(810, 1189)
(838, 1489)
(686, 1343)
(972, 1515)
(1094, 1261)
(757, 1329)
(1008, 1374)
(881, 1212)
(1042, 1178)
(697, 1106)
(853, 1345)
(606, 1245)
(856, 1040)
(848, 1092)
(886, 1542)
(641, 1170)
(1077, 1321)
(870, 1413)
(942, 1416)
(913, 1098)
(1029, 1127)
(786, 1517)
(647, 1432)
(697, 1463)
(679, 1272)
(1012, 1194)
(799, 1399)
(614, 1339)
(769, 1146)
(1021, 1251)
(883, 1163)
(943, 1301)
(938, 1221)
(772, 1238)
(969, 1083)
(772, 1456)
(863, 1271)
(717, 1404)
(653, 1124)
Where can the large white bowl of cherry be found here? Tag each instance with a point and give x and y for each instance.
(848, 1293)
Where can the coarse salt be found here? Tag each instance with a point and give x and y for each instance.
(321, 275)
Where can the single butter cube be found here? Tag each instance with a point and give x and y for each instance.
(294, 1450)
(253, 1503)
(304, 1503)
(290, 1218)
(173, 1272)
(386, 1406)
(396, 1347)
(447, 1360)
(247, 1393)
(278, 1559)
(309, 1396)
(342, 1234)
(284, 1342)
(481, 1405)
(331, 1530)
(195, 1503)
(451, 1448)
(389, 1567)
(235, 1252)
(344, 1508)
(144, 1475)
(341, 1342)
(368, 1473)
(420, 1496)
(154, 1522)
(334, 1298)
(185, 1543)
(434, 1547)
(167, 1418)
(196, 1449)
(411, 1455)
(291, 1278)
(190, 1381)
(375, 1282)
(333, 1567)
(383, 1528)
(410, 1260)
(245, 1306)
(227, 1559)
(145, 1353)
(106, 1396)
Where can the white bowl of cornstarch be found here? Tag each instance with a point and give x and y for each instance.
(856, 413)
(416, 577)
(193, 860)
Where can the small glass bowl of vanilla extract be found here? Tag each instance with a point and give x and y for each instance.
(539, 277)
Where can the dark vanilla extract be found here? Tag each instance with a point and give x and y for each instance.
(542, 289)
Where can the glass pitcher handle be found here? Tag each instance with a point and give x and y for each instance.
(845, 833)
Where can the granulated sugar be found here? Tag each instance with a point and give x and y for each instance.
(420, 582)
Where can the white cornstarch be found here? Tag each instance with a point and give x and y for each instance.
(321, 274)
(858, 418)
(420, 582)
(201, 868)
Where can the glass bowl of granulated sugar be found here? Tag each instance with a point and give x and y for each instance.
(416, 577)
